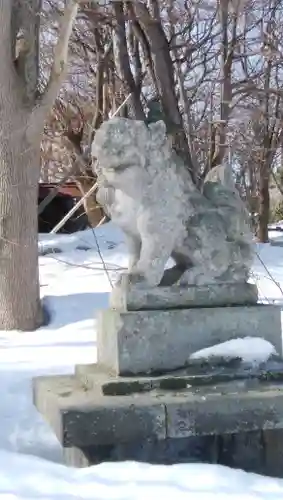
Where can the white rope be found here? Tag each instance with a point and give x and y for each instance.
(73, 209)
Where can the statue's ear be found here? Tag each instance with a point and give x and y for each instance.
(158, 132)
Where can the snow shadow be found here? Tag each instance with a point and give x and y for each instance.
(68, 309)
(23, 430)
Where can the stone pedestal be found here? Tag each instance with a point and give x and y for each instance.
(156, 330)
(135, 342)
(214, 419)
(146, 400)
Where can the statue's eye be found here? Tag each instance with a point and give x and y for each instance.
(118, 168)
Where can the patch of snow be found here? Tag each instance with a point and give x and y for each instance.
(250, 349)
(109, 236)
(29, 478)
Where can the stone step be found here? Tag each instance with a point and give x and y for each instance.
(198, 373)
(83, 418)
(134, 342)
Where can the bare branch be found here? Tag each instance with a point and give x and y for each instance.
(123, 61)
(58, 72)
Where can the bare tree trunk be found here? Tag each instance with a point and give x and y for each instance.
(164, 75)
(21, 126)
(264, 206)
(20, 170)
(266, 155)
(19, 174)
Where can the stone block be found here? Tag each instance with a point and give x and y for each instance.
(125, 297)
(245, 450)
(273, 445)
(136, 342)
(81, 417)
(84, 418)
(231, 408)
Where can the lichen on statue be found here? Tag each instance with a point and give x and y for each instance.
(147, 191)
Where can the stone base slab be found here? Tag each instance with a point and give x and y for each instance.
(259, 452)
(136, 342)
(213, 371)
(83, 418)
(126, 297)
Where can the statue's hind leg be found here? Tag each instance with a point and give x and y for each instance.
(174, 274)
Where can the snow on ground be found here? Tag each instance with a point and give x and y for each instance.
(74, 284)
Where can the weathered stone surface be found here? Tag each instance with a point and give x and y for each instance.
(273, 446)
(156, 341)
(92, 377)
(214, 371)
(245, 450)
(125, 297)
(167, 451)
(148, 192)
(228, 412)
(254, 451)
(82, 418)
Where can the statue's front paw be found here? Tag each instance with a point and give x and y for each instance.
(126, 279)
(136, 279)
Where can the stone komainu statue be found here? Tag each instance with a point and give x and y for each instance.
(147, 191)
